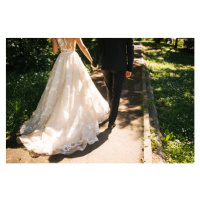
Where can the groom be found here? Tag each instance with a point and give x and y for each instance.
(114, 67)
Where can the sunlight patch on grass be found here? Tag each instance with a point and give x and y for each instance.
(172, 79)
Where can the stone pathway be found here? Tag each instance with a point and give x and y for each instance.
(123, 144)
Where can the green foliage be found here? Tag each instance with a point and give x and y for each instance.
(137, 39)
(152, 130)
(146, 39)
(23, 92)
(158, 40)
(24, 54)
(154, 145)
(168, 135)
(172, 79)
(179, 151)
(180, 43)
(189, 43)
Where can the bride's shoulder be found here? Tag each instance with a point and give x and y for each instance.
(78, 40)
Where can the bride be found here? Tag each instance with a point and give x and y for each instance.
(70, 109)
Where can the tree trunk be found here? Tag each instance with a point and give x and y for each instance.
(176, 43)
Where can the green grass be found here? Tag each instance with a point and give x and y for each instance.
(172, 75)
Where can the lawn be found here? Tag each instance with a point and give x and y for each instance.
(172, 80)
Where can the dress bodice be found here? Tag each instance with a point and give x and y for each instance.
(66, 44)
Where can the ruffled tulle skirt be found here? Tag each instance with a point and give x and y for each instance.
(69, 112)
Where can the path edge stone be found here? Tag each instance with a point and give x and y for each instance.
(147, 135)
(160, 154)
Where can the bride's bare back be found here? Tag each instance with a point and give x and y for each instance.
(69, 44)
(66, 44)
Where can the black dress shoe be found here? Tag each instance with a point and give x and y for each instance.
(103, 123)
(111, 126)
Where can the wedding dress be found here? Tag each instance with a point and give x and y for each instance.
(70, 109)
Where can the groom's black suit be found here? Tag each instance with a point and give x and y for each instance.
(114, 65)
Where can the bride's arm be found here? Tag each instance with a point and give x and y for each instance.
(54, 45)
(84, 49)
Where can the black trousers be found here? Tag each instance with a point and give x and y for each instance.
(114, 82)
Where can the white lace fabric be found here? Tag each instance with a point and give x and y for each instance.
(70, 109)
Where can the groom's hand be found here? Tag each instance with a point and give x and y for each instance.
(128, 74)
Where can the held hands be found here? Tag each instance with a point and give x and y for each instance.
(128, 74)
(94, 68)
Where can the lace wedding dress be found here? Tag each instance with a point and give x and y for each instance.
(70, 109)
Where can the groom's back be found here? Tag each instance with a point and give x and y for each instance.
(115, 46)
(115, 51)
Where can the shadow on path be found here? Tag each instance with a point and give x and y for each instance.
(12, 143)
(103, 137)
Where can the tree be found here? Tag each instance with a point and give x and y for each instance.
(176, 43)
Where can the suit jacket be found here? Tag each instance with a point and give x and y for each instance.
(115, 52)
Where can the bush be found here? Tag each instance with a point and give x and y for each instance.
(189, 43)
(25, 54)
(158, 40)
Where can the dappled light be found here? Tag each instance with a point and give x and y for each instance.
(172, 79)
(170, 65)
